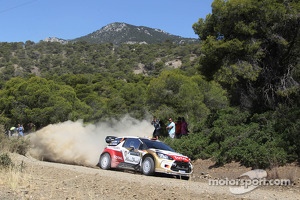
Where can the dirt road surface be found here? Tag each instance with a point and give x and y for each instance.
(45, 180)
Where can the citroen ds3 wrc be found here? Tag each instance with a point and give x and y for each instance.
(145, 155)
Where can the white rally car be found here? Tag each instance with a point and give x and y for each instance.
(145, 155)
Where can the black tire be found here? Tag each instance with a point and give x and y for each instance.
(185, 178)
(148, 166)
(182, 177)
(105, 161)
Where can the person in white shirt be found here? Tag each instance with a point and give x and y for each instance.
(171, 128)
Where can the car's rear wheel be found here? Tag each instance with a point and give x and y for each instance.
(105, 161)
(183, 177)
(148, 166)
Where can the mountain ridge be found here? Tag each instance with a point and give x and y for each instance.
(123, 33)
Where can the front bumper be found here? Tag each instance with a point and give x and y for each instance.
(174, 167)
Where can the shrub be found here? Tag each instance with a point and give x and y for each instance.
(19, 145)
(253, 142)
(256, 155)
(4, 141)
(192, 145)
(15, 145)
(5, 161)
(233, 135)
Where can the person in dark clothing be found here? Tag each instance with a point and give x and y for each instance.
(157, 128)
(184, 127)
(178, 128)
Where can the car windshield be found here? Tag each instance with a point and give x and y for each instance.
(157, 145)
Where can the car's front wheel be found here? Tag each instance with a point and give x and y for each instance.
(105, 161)
(148, 166)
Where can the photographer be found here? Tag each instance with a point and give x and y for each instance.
(155, 122)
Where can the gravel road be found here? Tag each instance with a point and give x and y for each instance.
(45, 180)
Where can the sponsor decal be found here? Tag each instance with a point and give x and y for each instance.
(179, 158)
(132, 157)
(175, 156)
(118, 157)
(134, 153)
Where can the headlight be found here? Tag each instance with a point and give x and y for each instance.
(164, 156)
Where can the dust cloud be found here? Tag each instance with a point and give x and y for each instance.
(80, 144)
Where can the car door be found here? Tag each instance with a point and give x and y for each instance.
(130, 151)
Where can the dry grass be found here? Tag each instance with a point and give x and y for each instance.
(291, 172)
(14, 177)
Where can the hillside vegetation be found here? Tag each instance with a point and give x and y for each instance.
(238, 88)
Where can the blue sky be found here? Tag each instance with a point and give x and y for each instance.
(35, 20)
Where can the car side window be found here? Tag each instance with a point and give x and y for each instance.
(132, 143)
(143, 146)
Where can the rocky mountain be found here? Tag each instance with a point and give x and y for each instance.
(118, 33)
(55, 39)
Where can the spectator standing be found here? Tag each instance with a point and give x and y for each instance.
(178, 128)
(184, 127)
(156, 123)
(31, 127)
(171, 128)
(20, 130)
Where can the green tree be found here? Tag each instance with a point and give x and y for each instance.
(252, 48)
(287, 122)
(40, 101)
(134, 95)
(173, 94)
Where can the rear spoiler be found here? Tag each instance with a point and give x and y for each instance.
(109, 139)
